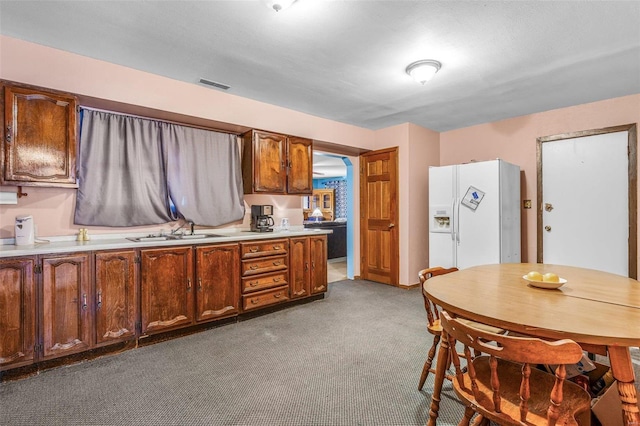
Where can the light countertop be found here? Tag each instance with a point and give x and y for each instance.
(68, 244)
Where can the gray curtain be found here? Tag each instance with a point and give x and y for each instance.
(204, 174)
(121, 175)
(129, 168)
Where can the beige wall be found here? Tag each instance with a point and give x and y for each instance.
(514, 140)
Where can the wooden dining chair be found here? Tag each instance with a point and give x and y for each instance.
(433, 321)
(505, 386)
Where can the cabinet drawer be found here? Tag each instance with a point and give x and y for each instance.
(264, 265)
(263, 248)
(265, 298)
(262, 282)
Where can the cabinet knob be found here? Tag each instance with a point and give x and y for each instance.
(99, 304)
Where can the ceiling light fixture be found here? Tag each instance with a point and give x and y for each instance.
(423, 71)
(279, 5)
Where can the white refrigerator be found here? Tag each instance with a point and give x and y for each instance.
(474, 213)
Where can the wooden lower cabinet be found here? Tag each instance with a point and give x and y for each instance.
(17, 312)
(318, 264)
(166, 289)
(299, 265)
(66, 310)
(308, 265)
(264, 268)
(218, 281)
(115, 296)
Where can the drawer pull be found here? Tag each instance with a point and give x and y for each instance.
(306, 266)
(84, 302)
(277, 247)
(253, 249)
(253, 283)
(278, 263)
(254, 301)
(99, 305)
(275, 280)
(277, 295)
(188, 284)
(253, 267)
(199, 283)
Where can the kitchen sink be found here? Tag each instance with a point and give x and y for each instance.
(198, 236)
(149, 238)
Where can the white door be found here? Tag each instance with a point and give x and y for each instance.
(584, 202)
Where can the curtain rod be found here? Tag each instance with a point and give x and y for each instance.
(159, 119)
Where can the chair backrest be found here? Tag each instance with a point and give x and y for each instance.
(423, 275)
(523, 350)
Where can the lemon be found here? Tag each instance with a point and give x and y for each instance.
(534, 276)
(550, 277)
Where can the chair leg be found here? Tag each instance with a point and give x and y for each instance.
(441, 368)
(429, 361)
(466, 419)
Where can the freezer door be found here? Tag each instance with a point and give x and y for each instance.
(442, 250)
(478, 231)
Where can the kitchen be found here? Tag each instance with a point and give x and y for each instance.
(512, 138)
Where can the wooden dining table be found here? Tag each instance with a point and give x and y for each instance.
(599, 310)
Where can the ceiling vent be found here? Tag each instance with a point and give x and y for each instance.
(214, 84)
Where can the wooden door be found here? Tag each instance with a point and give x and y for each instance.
(300, 167)
(379, 216)
(587, 200)
(299, 266)
(318, 264)
(66, 310)
(39, 137)
(264, 165)
(115, 296)
(17, 312)
(166, 288)
(218, 281)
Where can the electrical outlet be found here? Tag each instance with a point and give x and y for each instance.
(527, 204)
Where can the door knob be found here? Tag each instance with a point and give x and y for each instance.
(547, 228)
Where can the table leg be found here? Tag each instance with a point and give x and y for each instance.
(441, 370)
(622, 369)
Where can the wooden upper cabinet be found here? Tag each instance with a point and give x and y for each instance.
(39, 137)
(300, 167)
(66, 305)
(115, 298)
(276, 164)
(18, 312)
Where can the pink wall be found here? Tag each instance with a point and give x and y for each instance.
(514, 140)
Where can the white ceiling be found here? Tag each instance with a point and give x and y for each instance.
(345, 60)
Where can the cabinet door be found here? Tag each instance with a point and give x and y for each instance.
(115, 296)
(65, 304)
(300, 156)
(17, 312)
(264, 163)
(299, 265)
(218, 276)
(39, 137)
(318, 264)
(166, 288)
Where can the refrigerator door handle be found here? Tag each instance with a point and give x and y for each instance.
(457, 222)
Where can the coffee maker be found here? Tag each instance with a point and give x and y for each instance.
(261, 220)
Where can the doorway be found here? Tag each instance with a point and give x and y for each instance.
(587, 199)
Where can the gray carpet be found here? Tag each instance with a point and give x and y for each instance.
(353, 358)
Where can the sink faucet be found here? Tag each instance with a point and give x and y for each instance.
(189, 222)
